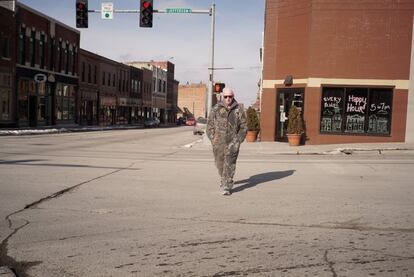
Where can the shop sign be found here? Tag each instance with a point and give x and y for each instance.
(108, 101)
(40, 78)
(122, 101)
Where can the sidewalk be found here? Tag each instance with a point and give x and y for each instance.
(70, 128)
(283, 148)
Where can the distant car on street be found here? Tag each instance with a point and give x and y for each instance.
(190, 121)
(151, 122)
(200, 126)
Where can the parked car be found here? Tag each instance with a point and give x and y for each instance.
(152, 122)
(190, 121)
(180, 121)
(200, 126)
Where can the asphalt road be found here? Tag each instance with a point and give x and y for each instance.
(140, 203)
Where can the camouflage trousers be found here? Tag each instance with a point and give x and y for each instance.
(225, 156)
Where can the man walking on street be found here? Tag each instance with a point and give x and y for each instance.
(226, 129)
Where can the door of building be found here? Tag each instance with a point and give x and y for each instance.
(286, 97)
(32, 111)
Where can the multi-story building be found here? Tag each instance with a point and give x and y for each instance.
(89, 85)
(171, 106)
(124, 102)
(7, 67)
(159, 86)
(136, 110)
(345, 65)
(108, 92)
(46, 69)
(147, 92)
(192, 100)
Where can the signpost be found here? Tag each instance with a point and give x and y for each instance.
(107, 10)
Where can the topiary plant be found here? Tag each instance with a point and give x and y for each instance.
(295, 121)
(253, 123)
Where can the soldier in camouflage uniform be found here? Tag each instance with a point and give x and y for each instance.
(226, 129)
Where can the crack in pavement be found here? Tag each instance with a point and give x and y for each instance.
(330, 264)
(20, 268)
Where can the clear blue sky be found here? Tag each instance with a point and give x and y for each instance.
(184, 39)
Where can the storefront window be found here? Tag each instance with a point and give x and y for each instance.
(65, 102)
(4, 104)
(353, 110)
(41, 89)
(22, 99)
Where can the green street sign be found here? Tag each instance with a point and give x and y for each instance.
(178, 10)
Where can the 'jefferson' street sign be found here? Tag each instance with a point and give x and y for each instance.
(178, 10)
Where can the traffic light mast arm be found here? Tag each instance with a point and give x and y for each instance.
(154, 11)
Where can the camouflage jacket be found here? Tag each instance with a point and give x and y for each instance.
(226, 125)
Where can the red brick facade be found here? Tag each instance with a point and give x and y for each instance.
(358, 46)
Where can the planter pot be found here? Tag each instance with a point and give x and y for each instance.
(251, 136)
(294, 139)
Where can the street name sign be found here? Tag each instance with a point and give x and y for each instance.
(107, 10)
(178, 10)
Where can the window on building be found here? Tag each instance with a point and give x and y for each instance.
(73, 53)
(67, 65)
(109, 79)
(89, 73)
(355, 110)
(113, 80)
(22, 96)
(103, 77)
(42, 50)
(95, 72)
(65, 101)
(83, 72)
(22, 46)
(4, 103)
(32, 48)
(59, 56)
(4, 46)
(52, 54)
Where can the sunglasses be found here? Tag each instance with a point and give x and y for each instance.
(227, 96)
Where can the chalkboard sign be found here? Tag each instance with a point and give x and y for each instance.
(356, 104)
(379, 112)
(356, 110)
(332, 109)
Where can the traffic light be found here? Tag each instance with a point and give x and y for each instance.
(218, 87)
(145, 13)
(81, 13)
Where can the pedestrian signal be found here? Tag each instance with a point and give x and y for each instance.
(145, 13)
(81, 13)
(218, 87)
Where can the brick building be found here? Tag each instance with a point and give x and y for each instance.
(89, 85)
(192, 100)
(345, 65)
(7, 68)
(171, 105)
(108, 92)
(47, 49)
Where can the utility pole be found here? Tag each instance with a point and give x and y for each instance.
(211, 69)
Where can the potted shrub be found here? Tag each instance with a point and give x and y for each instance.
(295, 127)
(253, 124)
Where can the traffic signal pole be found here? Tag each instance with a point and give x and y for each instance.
(211, 69)
(211, 12)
